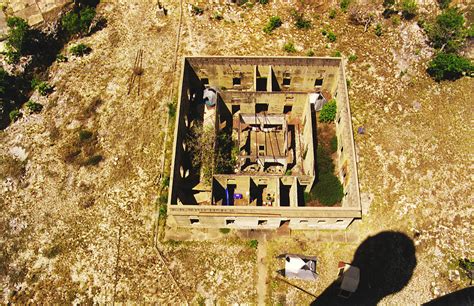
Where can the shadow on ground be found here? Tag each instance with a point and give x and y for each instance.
(386, 262)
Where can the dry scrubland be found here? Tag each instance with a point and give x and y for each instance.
(60, 221)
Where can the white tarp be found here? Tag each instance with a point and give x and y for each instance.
(302, 268)
(318, 100)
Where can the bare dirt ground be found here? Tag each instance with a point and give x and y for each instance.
(60, 221)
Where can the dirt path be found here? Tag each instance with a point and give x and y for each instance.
(262, 270)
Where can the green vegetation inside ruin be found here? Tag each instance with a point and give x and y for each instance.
(327, 189)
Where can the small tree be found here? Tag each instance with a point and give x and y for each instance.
(19, 39)
(344, 4)
(447, 66)
(447, 32)
(328, 112)
(300, 21)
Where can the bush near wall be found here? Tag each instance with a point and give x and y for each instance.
(328, 112)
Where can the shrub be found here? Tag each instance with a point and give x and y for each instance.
(44, 88)
(253, 243)
(34, 107)
(80, 50)
(447, 33)
(324, 32)
(396, 20)
(352, 58)
(300, 22)
(447, 66)
(14, 115)
(378, 29)
(344, 4)
(332, 14)
(336, 54)
(85, 135)
(310, 53)
(409, 9)
(171, 109)
(289, 47)
(331, 36)
(166, 181)
(328, 112)
(224, 230)
(76, 22)
(328, 190)
(272, 24)
(196, 10)
(263, 1)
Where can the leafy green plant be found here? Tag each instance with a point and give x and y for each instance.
(289, 47)
(344, 4)
(34, 107)
(14, 115)
(310, 53)
(273, 23)
(196, 10)
(263, 1)
(378, 29)
(447, 66)
(332, 13)
(253, 243)
(336, 54)
(328, 112)
(409, 9)
(352, 58)
(324, 32)
(447, 33)
(80, 50)
(331, 36)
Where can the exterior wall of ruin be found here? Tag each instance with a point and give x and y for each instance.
(196, 68)
(346, 165)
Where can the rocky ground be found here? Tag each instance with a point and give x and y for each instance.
(73, 232)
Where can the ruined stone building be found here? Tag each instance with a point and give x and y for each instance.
(257, 119)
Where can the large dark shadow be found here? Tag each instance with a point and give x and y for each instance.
(386, 262)
(463, 297)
